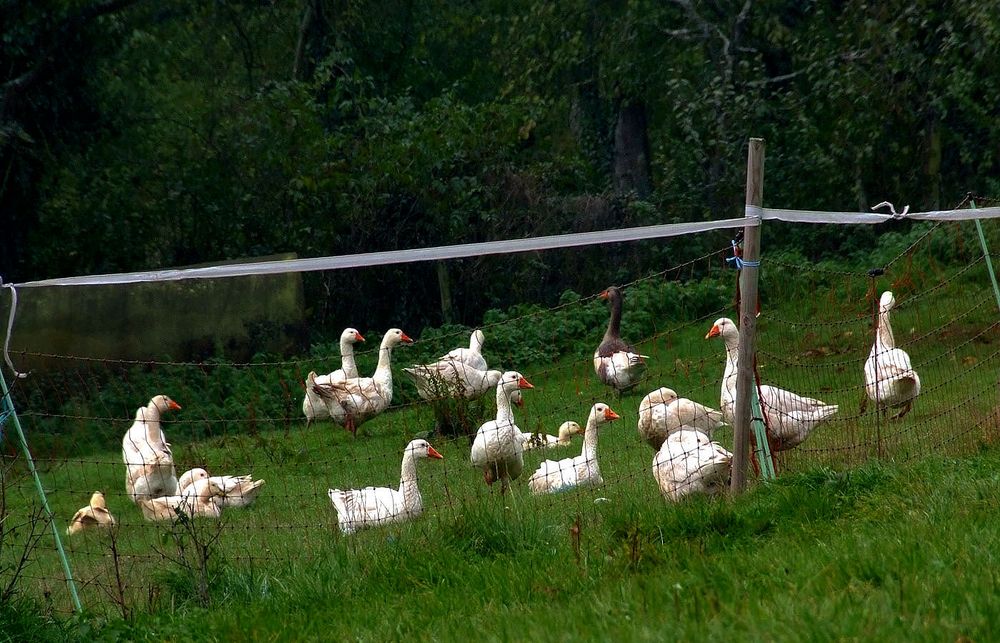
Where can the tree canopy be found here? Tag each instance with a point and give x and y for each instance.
(138, 135)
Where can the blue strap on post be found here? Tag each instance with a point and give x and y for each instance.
(738, 261)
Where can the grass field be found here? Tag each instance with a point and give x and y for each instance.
(882, 550)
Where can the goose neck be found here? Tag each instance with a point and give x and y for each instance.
(884, 334)
(408, 482)
(614, 324)
(590, 439)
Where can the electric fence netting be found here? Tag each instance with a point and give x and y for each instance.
(300, 435)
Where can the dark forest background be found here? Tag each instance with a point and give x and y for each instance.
(138, 134)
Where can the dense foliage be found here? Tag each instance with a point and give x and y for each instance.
(138, 135)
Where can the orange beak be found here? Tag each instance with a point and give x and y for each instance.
(523, 383)
(715, 332)
(610, 415)
(405, 339)
(359, 337)
(173, 406)
(604, 294)
(431, 453)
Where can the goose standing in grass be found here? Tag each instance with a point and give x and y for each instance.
(451, 378)
(499, 446)
(662, 412)
(890, 380)
(201, 498)
(149, 464)
(237, 491)
(372, 506)
(583, 470)
(789, 417)
(355, 400)
(542, 440)
(689, 462)
(312, 405)
(95, 514)
(472, 356)
(617, 363)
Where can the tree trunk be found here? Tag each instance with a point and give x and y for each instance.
(311, 46)
(933, 168)
(631, 152)
(444, 285)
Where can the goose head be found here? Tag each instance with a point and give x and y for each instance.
(887, 302)
(726, 329)
(422, 449)
(601, 413)
(512, 381)
(517, 399)
(395, 337)
(612, 294)
(163, 403)
(569, 428)
(351, 336)
(190, 476)
(476, 341)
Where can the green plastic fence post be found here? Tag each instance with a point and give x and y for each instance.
(986, 254)
(7, 411)
(763, 449)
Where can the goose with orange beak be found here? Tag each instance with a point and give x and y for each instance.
(616, 362)
(356, 400)
(789, 417)
(498, 448)
(374, 506)
(582, 471)
(149, 463)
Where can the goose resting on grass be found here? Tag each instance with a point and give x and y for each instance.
(499, 446)
(890, 380)
(373, 506)
(149, 464)
(95, 514)
(237, 491)
(201, 498)
(789, 417)
(662, 412)
(689, 462)
(617, 363)
(542, 440)
(583, 470)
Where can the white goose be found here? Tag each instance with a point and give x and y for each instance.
(95, 514)
(373, 506)
(890, 380)
(583, 470)
(662, 412)
(149, 464)
(451, 378)
(201, 498)
(237, 491)
(498, 447)
(312, 405)
(539, 440)
(617, 363)
(689, 462)
(789, 417)
(355, 400)
(472, 356)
